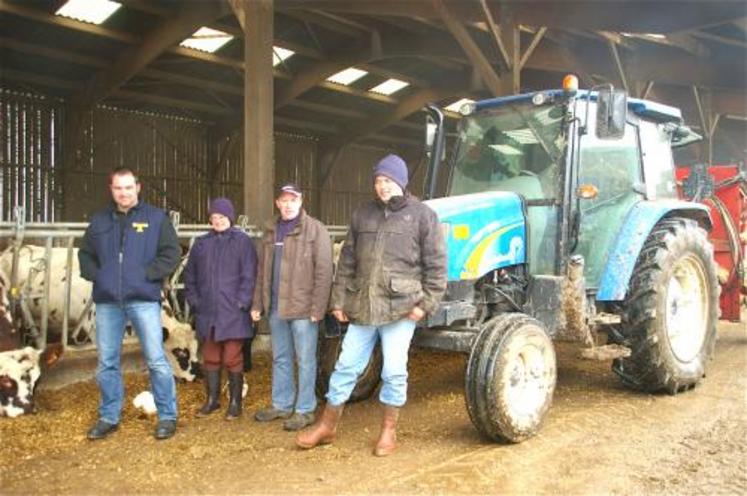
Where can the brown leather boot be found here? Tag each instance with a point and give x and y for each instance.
(387, 442)
(323, 431)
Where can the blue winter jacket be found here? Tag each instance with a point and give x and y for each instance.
(127, 256)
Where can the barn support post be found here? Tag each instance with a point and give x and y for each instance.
(68, 291)
(259, 167)
(41, 342)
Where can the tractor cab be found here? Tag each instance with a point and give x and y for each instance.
(574, 164)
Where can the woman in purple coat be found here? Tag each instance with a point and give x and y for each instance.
(219, 284)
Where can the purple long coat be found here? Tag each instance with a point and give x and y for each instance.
(219, 284)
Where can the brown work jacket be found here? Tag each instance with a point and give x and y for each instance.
(393, 259)
(305, 270)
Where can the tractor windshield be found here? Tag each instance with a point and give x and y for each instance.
(515, 148)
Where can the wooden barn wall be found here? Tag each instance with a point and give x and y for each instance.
(171, 155)
(181, 162)
(29, 156)
(349, 184)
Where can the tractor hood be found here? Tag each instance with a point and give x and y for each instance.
(483, 231)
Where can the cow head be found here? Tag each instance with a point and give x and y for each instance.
(19, 371)
(181, 349)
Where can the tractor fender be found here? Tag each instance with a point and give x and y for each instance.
(633, 234)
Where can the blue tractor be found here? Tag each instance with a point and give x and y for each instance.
(561, 220)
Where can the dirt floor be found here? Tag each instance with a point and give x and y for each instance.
(599, 438)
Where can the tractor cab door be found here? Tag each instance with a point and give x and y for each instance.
(614, 167)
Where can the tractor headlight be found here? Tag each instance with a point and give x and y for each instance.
(467, 108)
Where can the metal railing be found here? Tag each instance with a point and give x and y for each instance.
(65, 234)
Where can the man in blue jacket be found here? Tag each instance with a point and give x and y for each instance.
(127, 251)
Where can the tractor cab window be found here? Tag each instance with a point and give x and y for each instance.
(514, 148)
(517, 148)
(658, 164)
(614, 167)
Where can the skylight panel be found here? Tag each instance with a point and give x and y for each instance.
(454, 107)
(93, 11)
(207, 40)
(389, 86)
(347, 76)
(280, 54)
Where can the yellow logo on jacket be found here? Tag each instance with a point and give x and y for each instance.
(140, 226)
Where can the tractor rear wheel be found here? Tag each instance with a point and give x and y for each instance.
(671, 310)
(510, 379)
(328, 350)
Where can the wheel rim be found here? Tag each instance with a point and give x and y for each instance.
(687, 308)
(526, 389)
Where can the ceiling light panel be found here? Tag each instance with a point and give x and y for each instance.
(347, 76)
(92, 11)
(390, 86)
(207, 40)
(280, 54)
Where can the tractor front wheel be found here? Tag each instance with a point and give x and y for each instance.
(510, 379)
(671, 310)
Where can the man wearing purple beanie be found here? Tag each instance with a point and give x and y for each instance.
(219, 284)
(391, 272)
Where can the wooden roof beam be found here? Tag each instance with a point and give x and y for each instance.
(328, 21)
(613, 15)
(406, 107)
(473, 51)
(495, 30)
(158, 40)
(720, 39)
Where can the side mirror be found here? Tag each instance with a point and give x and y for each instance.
(431, 127)
(612, 107)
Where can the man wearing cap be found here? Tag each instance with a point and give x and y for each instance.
(391, 272)
(219, 285)
(293, 285)
(128, 249)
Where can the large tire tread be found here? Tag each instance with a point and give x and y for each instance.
(485, 408)
(651, 367)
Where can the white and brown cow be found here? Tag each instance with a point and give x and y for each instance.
(179, 339)
(19, 372)
(10, 338)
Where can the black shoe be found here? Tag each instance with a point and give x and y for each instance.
(235, 387)
(101, 430)
(212, 393)
(165, 429)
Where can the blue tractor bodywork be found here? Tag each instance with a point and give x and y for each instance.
(633, 234)
(483, 231)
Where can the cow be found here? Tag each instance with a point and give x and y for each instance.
(10, 338)
(180, 345)
(179, 339)
(19, 372)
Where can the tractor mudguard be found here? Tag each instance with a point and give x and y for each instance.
(483, 232)
(633, 234)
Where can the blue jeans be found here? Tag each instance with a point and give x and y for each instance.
(357, 347)
(110, 325)
(293, 341)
